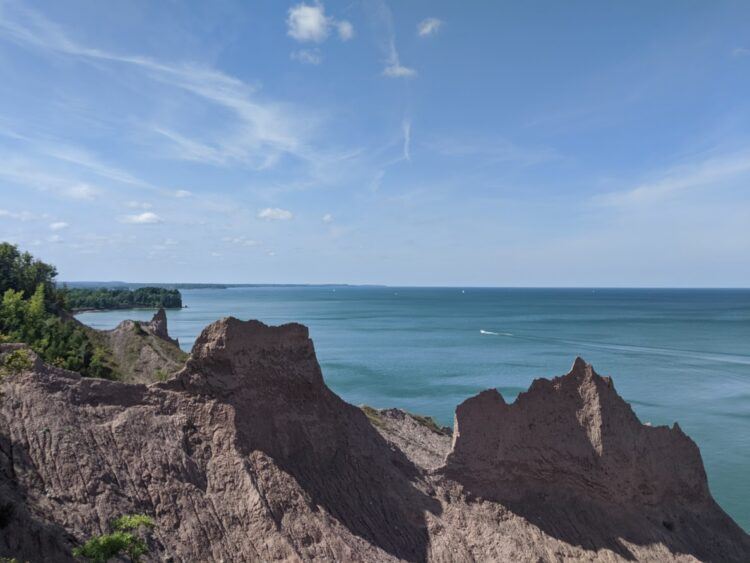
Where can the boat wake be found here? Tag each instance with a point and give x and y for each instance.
(628, 348)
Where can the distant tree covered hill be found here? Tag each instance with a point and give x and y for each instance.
(103, 298)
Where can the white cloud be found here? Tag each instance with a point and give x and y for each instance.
(182, 193)
(429, 26)
(741, 52)
(54, 238)
(58, 226)
(307, 56)
(397, 70)
(307, 23)
(82, 192)
(275, 214)
(345, 29)
(146, 218)
(328, 218)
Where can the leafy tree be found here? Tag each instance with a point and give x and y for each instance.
(22, 272)
(31, 311)
(123, 540)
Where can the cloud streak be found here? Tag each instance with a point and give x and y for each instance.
(382, 18)
(263, 132)
(406, 128)
(711, 172)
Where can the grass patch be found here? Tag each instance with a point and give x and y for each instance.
(138, 329)
(373, 416)
(429, 423)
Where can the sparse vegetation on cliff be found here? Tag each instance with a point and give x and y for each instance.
(15, 361)
(126, 538)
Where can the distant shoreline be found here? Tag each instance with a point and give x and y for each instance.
(109, 309)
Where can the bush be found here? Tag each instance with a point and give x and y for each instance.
(133, 522)
(16, 361)
(122, 540)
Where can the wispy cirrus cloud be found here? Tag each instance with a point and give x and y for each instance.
(41, 148)
(406, 128)
(711, 172)
(382, 20)
(307, 56)
(27, 172)
(393, 67)
(260, 134)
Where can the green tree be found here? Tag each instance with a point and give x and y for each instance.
(22, 272)
(126, 538)
(28, 314)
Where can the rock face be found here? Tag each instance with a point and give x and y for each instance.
(246, 455)
(158, 327)
(142, 352)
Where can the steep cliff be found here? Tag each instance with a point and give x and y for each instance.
(246, 455)
(140, 352)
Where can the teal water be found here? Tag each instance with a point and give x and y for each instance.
(675, 355)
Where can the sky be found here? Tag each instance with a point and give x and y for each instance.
(419, 142)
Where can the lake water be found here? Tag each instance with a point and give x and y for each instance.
(675, 355)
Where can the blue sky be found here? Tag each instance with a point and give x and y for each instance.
(420, 143)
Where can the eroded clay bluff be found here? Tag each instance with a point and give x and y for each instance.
(246, 455)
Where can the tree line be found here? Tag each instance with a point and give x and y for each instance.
(102, 298)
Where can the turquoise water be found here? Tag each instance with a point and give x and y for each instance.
(676, 355)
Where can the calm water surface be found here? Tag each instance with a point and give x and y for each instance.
(676, 355)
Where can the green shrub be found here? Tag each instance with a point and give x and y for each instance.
(122, 541)
(133, 522)
(16, 361)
